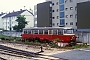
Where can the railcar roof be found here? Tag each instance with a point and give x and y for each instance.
(49, 28)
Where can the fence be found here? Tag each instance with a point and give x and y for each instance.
(12, 34)
(83, 37)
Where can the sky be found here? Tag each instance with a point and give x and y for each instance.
(10, 5)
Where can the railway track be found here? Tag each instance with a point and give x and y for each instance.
(2, 58)
(15, 52)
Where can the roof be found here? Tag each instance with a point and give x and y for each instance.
(15, 13)
(2, 14)
(49, 28)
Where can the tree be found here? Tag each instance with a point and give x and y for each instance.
(21, 23)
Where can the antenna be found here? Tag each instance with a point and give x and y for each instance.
(24, 7)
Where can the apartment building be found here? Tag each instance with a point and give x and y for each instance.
(64, 13)
(9, 19)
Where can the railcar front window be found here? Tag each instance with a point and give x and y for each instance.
(68, 31)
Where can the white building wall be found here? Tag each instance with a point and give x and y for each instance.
(55, 7)
(1, 22)
(6, 22)
(29, 18)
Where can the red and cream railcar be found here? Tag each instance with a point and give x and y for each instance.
(65, 34)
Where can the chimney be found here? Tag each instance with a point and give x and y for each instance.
(1, 12)
(13, 11)
(9, 12)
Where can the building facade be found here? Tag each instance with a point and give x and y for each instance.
(83, 12)
(64, 13)
(43, 14)
(1, 21)
(9, 19)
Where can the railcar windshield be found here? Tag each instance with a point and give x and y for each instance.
(68, 31)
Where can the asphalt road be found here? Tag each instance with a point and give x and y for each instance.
(79, 54)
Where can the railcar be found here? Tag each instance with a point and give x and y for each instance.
(49, 34)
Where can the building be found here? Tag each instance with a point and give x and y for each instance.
(1, 21)
(43, 14)
(83, 13)
(9, 19)
(64, 13)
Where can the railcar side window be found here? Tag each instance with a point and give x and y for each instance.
(40, 31)
(50, 32)
(25, 31)
(60, 32)
(35, 31)
(29, 31)
(54, 32)
(45, 31)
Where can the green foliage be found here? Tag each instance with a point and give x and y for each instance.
(21, 23)
(56, 40)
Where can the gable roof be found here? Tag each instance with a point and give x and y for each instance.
(2, 14)
(15, 13)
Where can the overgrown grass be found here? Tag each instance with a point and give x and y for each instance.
(77, 46)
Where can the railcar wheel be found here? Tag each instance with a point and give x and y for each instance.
(23, 40)
(73, 43)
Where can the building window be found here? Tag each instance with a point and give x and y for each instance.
(66, 9)
(50, 24)
(61, 14)
(56, 3)
(76, 16)
(66, 1)
(50, 18)
(52, 3)
(71, 8)
(52, 10)
(35, 22)
(57, 24)
(53, 24)
(76, 23)
(61, 1)
(53, 17)
(71, 16)
(35, 16)
(71, 0)
(57, 17)
(62, 21)
(61, 7)
(71, 23)
(66, 16)
(57, 10)
(76, 8)
(66, 23)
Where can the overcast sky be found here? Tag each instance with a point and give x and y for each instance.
(10, 5)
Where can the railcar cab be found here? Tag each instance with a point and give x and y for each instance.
(49, 30)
